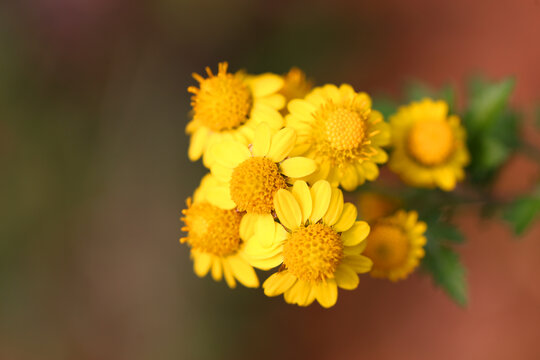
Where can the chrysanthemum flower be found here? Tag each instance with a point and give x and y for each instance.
(429, 145)
(295, 86)
(250, 176)
(217, 239)
(338, 129)
(318, 243)
(230, 106)
(395, 244)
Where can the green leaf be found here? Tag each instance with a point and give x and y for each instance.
(385, 105)
(487, 102)
(444, 231)
(447, 271)
(522, 213)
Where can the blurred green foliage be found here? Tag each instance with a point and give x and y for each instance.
(521, 213)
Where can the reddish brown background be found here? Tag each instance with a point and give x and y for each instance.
(95, 102)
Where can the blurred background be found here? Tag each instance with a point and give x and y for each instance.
(94, 174)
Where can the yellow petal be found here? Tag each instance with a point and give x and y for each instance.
(346, 278)
(248, 225)
(356, 234)
(446, 179)
(265, 84)
(221, 173)
(262, 113)
(326, 293)
(301, 193)
(349, 178)
(282, 144)
(298, 167)
(287, 209)
(229, 277)
(267, 263)
(243, 271)
(197, 143)
(229, 153)
(335, 208)
(201, 263)
(299, 293)
(347, 219)
(278, 283)
(380, 157)
(261, 143)
(276, 101)
(371, 170)
(217, 272)
(220, 196)
(359, 263)
(321, 192)
(264, 229)
(254, 250)
(302, 108)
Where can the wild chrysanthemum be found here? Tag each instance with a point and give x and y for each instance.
(230, 106)
(216, 239)
(317, 242)
(429, 145)
(250, 176)
(338, 129)
(395, 244)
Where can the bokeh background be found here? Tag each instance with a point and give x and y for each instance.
(94, 173)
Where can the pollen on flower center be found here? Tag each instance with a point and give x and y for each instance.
(222, 102)
(211, 229)
(431, 142)
(344, 128)
(387, 246)
(312, 253)
(254, 183)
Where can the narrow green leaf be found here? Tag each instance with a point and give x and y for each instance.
(443, 231)
(522, 213)
(487, 101)
(447, 271)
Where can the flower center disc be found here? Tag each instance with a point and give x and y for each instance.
(431, 142)
(213, 230)
(223, 102)
(345, 129)
(254, 183)
(313, 253)
(387, 246)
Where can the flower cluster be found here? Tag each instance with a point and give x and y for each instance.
(280, 153)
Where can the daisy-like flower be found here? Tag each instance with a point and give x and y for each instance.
(230, 106)
(217, 239)
(395, 244)
(338, 129)
(295, 85)
(251, 175)
(317, 242)
(429, 145)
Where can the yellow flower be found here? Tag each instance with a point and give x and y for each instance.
(230, 106)
(395, 244)
(317, 242)
(338, 129)
(295, 85)
(216, 239)
(429, 145)
(250, 176)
